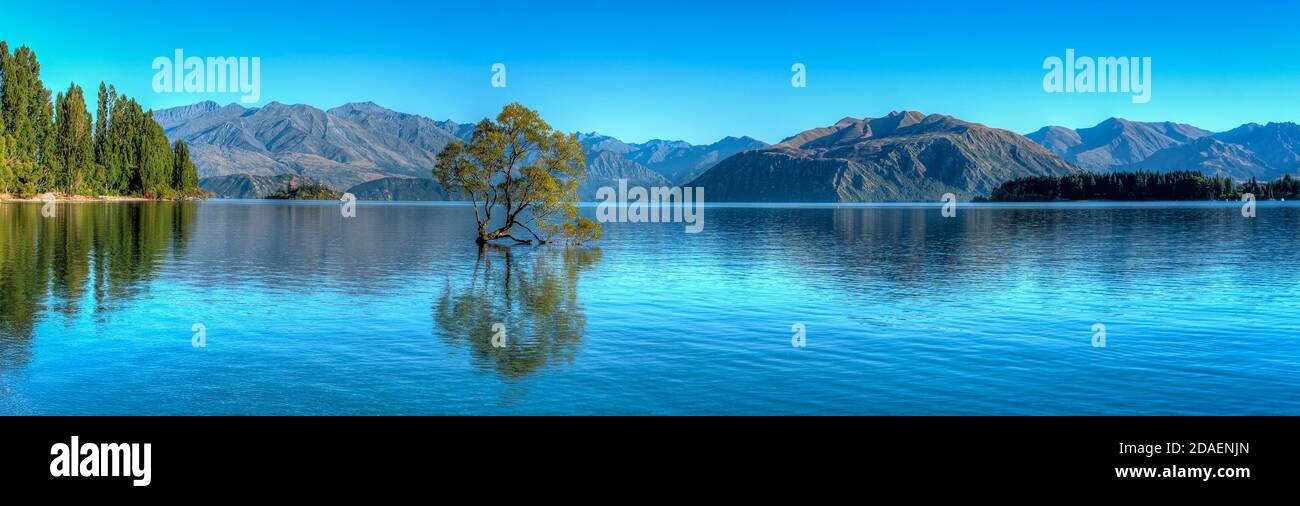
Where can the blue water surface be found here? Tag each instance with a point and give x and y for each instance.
(903, 311)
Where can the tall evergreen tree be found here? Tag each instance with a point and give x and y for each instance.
(122, 147)
(4, 61)
(44, 177)
(73, 152)
(156, 160)
(186, 177)
(28, 117)
(6, 166)
(101, 122)
(19, 101)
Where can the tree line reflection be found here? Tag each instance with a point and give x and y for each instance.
(533, 293)
(85, 257)
(94, 258)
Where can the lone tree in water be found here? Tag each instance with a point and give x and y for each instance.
(523, 171)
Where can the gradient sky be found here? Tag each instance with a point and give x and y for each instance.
(698, 70)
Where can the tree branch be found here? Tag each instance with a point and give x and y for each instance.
(538, 237)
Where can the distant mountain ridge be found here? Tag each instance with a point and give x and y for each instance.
(605, 168)
(350, 145)
(342, 147)
(405, 189)
(1263, 152)
(899, 157)
(1114, 142)
(677, 161)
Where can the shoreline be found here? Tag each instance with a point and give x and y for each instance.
(59, 199)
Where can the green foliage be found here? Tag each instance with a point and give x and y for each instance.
(1285, 187)
(156, 160)
(185, 177)
(1140, 186)
(107, 95)
(27, 112)
(51, 144)
(4, 61)
(529, 171)
(73, 152)
(21, 101)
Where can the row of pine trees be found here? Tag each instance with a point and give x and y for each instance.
(54, 145)
(1141, 186)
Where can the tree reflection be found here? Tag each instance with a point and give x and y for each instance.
(97, 254)
(534, 294)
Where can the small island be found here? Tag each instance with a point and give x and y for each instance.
(1140, 186)
(309, 191)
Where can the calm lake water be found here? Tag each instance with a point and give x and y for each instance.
(906, 312)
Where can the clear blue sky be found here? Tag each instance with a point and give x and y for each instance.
(694, 70)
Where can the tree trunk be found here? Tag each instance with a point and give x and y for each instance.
(485, 236)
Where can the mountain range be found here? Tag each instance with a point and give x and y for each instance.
(1264, 152)
(342, 147)
(902, 156)
(381, 154)
(1114, 142)
(360, 145)
(677, 161)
